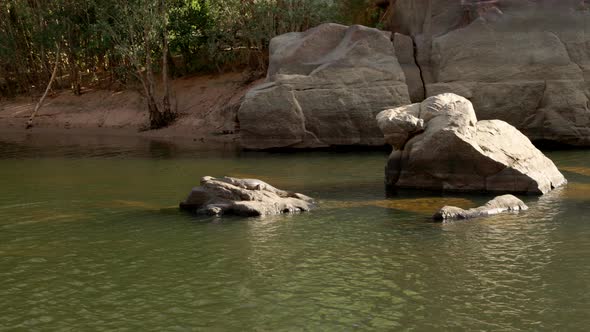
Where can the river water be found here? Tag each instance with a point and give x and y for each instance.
(91, 239)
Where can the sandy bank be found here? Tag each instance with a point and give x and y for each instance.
(206, 104)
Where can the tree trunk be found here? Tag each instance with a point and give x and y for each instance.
(40, 103)
(154, 112)
(75, 84)
(159, 118)
(165, 82)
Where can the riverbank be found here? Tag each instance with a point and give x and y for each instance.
(207, 106)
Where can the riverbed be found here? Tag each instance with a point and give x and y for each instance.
(91, 239)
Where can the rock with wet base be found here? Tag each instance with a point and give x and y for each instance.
(243, 197)
(500, 204)
(440, 145)
(324, 87)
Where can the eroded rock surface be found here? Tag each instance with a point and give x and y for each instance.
(324, 87)
(440, 145)
(244, 197)
(524, 62)
(500, 204)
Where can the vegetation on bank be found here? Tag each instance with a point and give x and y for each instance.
(142, 43)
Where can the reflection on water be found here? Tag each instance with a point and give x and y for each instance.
(90, 239)
(424, 205)
(577, 169)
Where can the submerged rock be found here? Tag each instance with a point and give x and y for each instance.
(500, 204)
(244, 197)
(324, 87)
(440, 145)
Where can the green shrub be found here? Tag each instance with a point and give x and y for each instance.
(97, 37)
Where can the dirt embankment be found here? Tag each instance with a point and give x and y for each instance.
(207, 107)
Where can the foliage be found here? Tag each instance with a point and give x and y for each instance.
(242, 29)
(188, 26)
(109, 41)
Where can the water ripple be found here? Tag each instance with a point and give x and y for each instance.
(92, 241)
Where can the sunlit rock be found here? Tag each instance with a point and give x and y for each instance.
(440, 145)
(500, 204)
(422, 205)
(324, 87)
(244, 197)
(523, 62)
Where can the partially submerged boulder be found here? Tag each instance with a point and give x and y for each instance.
(500, 204)
(440, 145)
(324, 87)
(244, 197)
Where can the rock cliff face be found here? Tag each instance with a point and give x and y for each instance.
(521, 61)
(526, 62)
(324, 87)
(439, 144)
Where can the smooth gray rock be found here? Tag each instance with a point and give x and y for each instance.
(324, 87)
(440, 145)
(243, 197)
(500, 204)
(523, 62)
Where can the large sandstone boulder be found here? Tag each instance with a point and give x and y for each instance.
(324, 87)
(243, 197)
(524, 62)
(440, 145)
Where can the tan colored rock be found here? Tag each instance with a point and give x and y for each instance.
(400, 124)
(405, 53)
(324, 87)
(244, 197)
(524, 62)
(500, 204)
(440, 145)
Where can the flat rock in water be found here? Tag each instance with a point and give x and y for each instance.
(243, 197)
(440, 145)
(500, 204)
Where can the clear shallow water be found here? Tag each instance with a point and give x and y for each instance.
(90, 239)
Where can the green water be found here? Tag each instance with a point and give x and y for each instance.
(90, 239)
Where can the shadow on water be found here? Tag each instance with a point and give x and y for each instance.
(159, 149)
(71, 145)
(549, 146)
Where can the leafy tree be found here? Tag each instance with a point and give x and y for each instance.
(140, 34)
(130, 41)
(189, 23)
